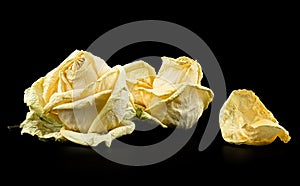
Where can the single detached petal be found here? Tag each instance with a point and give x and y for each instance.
(244, 119)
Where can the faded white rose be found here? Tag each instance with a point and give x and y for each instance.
(80, 100)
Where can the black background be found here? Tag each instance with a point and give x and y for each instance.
(255, 46)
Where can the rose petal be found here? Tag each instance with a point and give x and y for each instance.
(244, 119)
(176, 71)
(183, 108)
(94, 139)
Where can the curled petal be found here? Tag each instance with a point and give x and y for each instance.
(244, 119)
(94, 139)
(38, 123)
(78, 70)
(139, 74)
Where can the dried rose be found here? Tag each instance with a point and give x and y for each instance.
(80, 100)
(172, 97)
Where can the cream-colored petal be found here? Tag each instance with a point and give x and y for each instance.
(77, 71)
(117, 108)
(139, 74)
(139, 71)
(264, 132)
(126, 127)
(52, 78)
(86, 68)
(244, 119)
(80, 114)
(94, 139)
(180, 70)
(183, 108)
(105, 83)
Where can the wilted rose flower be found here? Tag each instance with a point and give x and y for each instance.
(82, 100)
(172, 97)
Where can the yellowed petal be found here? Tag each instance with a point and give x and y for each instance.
(78, 70)
(180, 70)
(139, 71)
(117, 108)
(264, 132)
(86, 68)
(244, 119)
(139, 74)
(80, 114)
(52, 78)
(94, 139)
(105, 82)
(183, 108)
